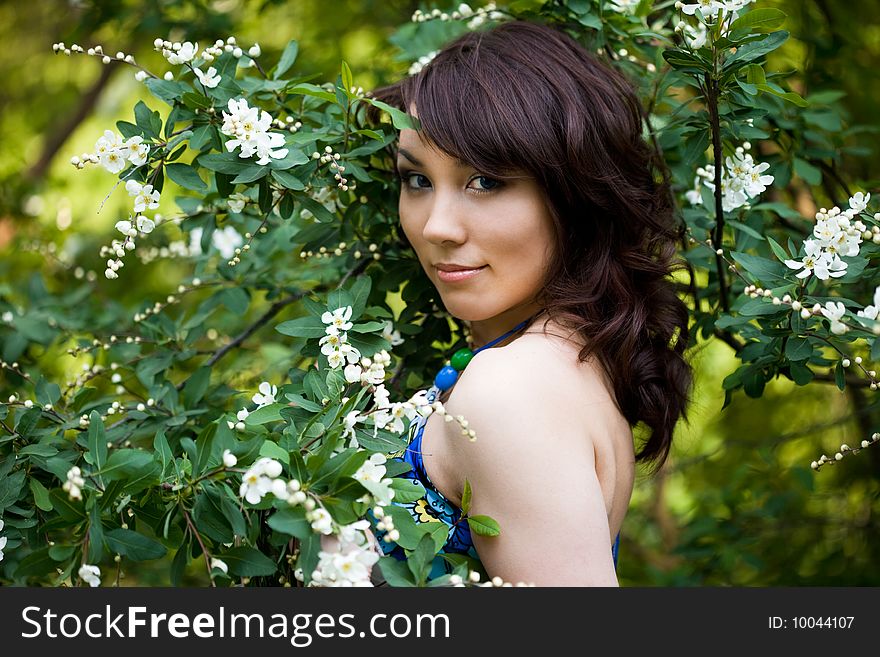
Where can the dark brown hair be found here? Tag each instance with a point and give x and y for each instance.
(524, 96)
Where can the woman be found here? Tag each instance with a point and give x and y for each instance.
(530, 200)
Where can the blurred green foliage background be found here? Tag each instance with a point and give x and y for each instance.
(736, 504)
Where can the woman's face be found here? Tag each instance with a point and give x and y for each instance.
(453, 215)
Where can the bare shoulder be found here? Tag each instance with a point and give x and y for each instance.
(531, 401)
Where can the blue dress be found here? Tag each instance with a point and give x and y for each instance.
(434, 507)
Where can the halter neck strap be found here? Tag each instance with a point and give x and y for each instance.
(516, 328)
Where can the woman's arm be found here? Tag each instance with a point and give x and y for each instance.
(532, 468)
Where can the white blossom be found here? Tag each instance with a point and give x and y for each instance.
(818, 262)
(138, 150)
(391, 334)
(226, 240)
(75, 482)
(352, 372)
(339, 318)
(145, 197)
(371, 475)
(112, 152)
(741, 180)
(249, 129)
(242, 415)
(871, 312)
(219, 565)
(708, 7)
(859, 202)
(186, 53)
(349, 423)
(834, 311)
(3, 540)
(145, 225)
(236, 202)
(209, 78)
(421, 62)
(90, 574)
(266, 395)
(229, 459)
(257, 481)
(321, 520)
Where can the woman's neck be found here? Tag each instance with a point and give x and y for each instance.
(484, 331)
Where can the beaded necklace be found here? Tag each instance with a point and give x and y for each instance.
(448, 374)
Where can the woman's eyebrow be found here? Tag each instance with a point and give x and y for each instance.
(412, 158)
(409, 156)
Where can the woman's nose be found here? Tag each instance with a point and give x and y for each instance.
(445, 222)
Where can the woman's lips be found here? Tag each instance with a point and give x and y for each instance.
(455, 276)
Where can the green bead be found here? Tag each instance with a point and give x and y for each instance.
(461, 358)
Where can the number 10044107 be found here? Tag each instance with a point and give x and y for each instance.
(810, 622)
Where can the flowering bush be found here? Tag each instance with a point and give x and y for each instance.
(143, 457)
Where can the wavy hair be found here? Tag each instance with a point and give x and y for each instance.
(527, 97)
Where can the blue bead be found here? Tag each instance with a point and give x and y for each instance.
(446, 378)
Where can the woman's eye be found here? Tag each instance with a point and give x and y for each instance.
(488, 184)
(417, 181)
(413, 180)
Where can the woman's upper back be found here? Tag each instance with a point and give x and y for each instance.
(557, 429)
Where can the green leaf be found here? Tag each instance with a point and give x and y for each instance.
(810, 174)
(789, 96)
(185, 176)
(288, 180)
(11, 489)
(264, 414)
(288, 57)
(314, 91)
(126, 462)
(274, 451)
(798, 349)
(41, 494)
(291, 522)
(97, 440)
(759, 20)
(419, 562)
(163, 452)
(133, 545)
(178, 564)
(483, 525)
(96, 536)
(147, 120)
(228, 163)
(800, 373)
(396, 572)
(66, 508)
(748, 230)
(246, 561)
(407, 490)
(321, 214)
(251, 174)
(196, 386)
(36, 564)
(347, 79)
(756, 49)
(466, 497)
(778, 251)
(47, 393)
(764, 269)
(840, 375)
(303, 327)
(399, 120)
(208, 516)
(302, 402)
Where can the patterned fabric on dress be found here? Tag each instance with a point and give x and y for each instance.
(434, 507)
